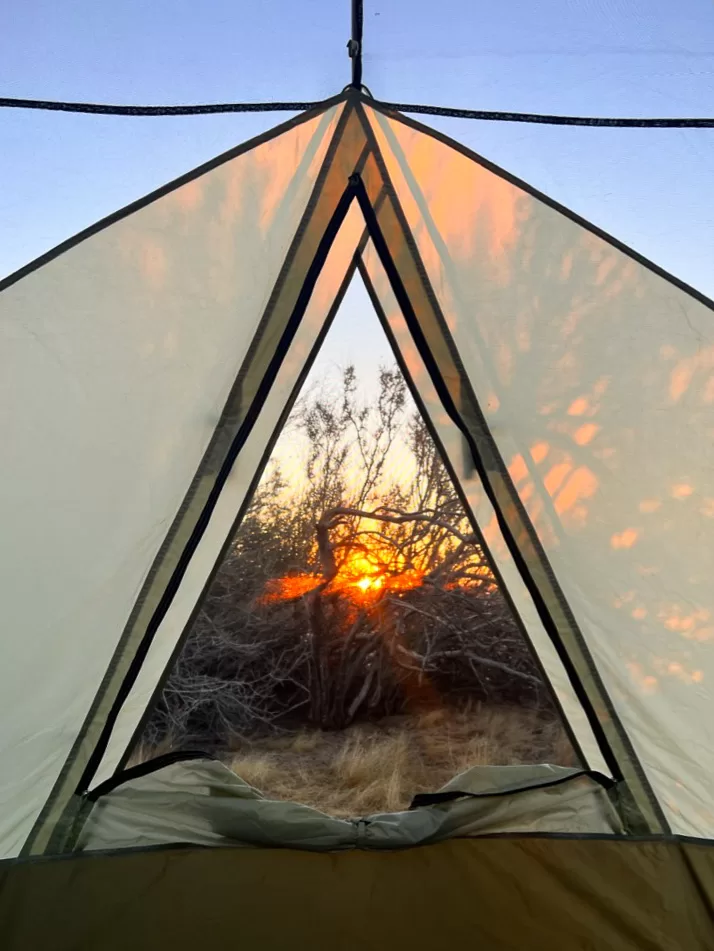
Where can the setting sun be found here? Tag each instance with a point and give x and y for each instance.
(365, 583)
(364, 574)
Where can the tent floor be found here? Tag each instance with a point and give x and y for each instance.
(525, 892)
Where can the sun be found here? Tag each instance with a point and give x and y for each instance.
(364, 584)
(362, 575)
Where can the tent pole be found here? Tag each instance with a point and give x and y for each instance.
(354, 46)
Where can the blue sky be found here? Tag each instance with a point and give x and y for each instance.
(653, 189)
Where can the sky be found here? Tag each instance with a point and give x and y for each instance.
(650, 188)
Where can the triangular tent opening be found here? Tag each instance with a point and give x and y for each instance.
(352, 661)
(153, 360)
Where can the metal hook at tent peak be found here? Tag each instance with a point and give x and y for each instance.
(365, 90)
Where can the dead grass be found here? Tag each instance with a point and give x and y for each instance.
(379, 767)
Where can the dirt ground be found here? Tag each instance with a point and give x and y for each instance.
(378, 767)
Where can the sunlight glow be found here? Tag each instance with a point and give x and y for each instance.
(365, 583)
(369, 574)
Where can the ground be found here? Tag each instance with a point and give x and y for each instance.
(378, 767)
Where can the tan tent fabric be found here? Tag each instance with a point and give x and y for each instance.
(204, 803)
(497, 893)
(593, 373)
(396, 247)
(452, 441)
(117, 357)
(238, 485)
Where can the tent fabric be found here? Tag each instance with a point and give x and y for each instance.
(204, 803)
(432, 335)
(587, 363)
(148, 367)
(243, 477)
(345, 152)
(500, 893)
(455, 454)
(121, 364)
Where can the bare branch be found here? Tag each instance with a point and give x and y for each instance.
(331, 519)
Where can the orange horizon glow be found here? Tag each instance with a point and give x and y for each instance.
(362, 576)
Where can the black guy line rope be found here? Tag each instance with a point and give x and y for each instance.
(102, 109)
(94, 108)
(603, 121)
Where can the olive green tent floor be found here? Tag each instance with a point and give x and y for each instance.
(494, 893)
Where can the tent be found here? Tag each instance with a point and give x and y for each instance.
(148, 365)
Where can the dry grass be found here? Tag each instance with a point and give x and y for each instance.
(379, 767)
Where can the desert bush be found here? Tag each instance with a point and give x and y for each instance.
(286, 637)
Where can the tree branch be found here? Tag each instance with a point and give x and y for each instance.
(331, 519)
